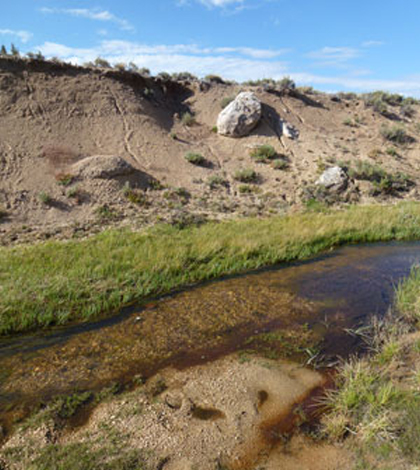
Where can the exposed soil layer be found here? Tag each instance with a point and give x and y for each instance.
(231, 433)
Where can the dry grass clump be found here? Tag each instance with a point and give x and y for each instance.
(246, 175)
(396, 134)
(188, 119)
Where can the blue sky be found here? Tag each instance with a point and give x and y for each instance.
(329, 44)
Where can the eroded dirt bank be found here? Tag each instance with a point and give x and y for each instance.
(53, 116)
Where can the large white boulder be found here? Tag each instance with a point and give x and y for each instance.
(333, 179)
(240, 116)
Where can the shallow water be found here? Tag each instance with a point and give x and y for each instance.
(313, 303)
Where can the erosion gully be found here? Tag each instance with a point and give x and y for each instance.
(309, 307)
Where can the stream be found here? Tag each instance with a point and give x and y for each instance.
(307, 307)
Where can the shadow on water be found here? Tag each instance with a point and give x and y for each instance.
(298, 304)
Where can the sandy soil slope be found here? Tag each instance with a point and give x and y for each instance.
(53, 115)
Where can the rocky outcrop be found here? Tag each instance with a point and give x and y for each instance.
(333, 179)
(102, 167)
(240, 116)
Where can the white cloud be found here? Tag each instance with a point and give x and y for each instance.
(213, 3)
(23, 36)
(219, 3)
(223, 4)
(372, 43)
(92, 14)
(334, 54)
(408, 86)
(232, 63)
(238, 64)
(252, 52)
(118, 47)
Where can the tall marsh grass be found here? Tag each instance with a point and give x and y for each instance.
(58, 282)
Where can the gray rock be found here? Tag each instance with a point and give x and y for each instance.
(333, 179)
(102, 167)
(240, 116)
(289, 131)
(174, 400)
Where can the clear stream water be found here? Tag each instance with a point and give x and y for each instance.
(327, 295)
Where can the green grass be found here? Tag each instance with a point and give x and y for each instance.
(195, 158)
(396, 134)
(392, 152)
(136, 196)
(45, 198)
(57, 282)
(245, 189)
(381, 414)
(73, 193)
(246, 175)
(378, 408)
(408, 296)
(64, 179)
(67, 406)
(80, 456)
(188, 119)
(217, 181)
(105, 213)
(280, 164)
(384, 182)
(263, 153)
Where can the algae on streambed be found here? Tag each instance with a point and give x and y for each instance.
(188, 328)
(289, 312)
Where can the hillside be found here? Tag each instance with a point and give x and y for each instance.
(55, 115)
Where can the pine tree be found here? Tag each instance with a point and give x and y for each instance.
(3, 51)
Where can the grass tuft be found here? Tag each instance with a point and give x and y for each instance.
(246, 175)
(263, 153)
(381, 413)
(188, 119)
(45, 198)
(86, 456)
(136, 197)
(396, 134)
(195, 158)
